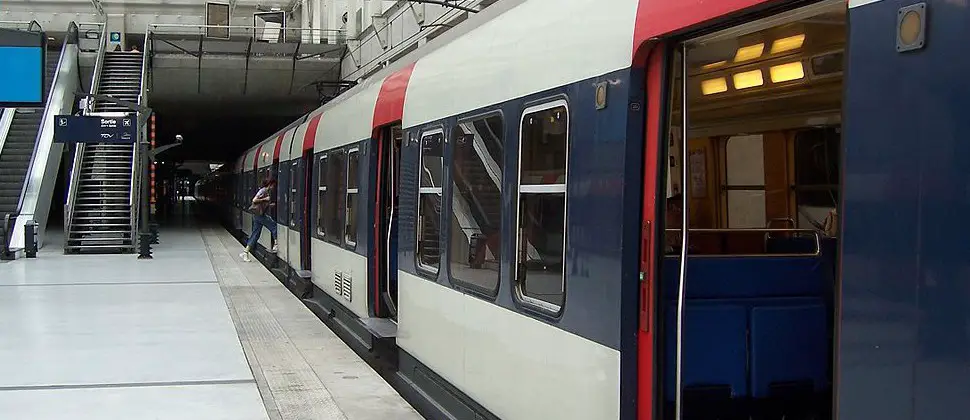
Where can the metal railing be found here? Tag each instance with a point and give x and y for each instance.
(79, 148)
(139, 165)
(767, 232)
(284, 34)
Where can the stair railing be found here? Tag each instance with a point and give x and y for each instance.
(79, 148)
(138, 166)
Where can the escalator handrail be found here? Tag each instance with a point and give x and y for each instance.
(44, 117)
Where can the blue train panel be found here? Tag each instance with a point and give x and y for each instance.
(904, 348)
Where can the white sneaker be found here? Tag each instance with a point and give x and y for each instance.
(276, 248)
(245, 257)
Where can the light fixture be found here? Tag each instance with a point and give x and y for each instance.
(749, 53)
(712, 86)
(787, 44)
(787, 72)
(748, 79)
(713, 65)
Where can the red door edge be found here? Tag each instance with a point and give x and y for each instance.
(647, 406)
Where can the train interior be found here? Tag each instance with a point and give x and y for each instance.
(764, 103)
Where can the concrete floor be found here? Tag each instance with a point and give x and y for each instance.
(114, 337)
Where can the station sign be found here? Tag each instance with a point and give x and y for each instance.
(93, 129)
(23, 54)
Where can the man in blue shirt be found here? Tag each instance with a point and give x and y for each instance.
(262, 201)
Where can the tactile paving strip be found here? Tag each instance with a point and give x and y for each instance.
(287, 378)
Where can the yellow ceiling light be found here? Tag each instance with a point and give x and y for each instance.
(713, 65)
(712, 86)
(787, 44)
(748, 79)
(787, 72)
(749, 53)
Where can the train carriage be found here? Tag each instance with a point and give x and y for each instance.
(642, 209)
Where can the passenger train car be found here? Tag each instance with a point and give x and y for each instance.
(501, 215)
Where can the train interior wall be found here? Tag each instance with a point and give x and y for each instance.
(764, 107)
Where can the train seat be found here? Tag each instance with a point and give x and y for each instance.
(715, 348)
(748, 277)
(783, 331)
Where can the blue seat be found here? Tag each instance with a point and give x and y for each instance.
(715, 345)
(789, 343)
(748, 277)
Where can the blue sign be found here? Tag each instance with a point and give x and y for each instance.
(116, 37)
(22, 73)
(75, 129)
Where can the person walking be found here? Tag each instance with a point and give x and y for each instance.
(261, 203)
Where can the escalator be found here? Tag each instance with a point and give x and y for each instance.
(16, 152)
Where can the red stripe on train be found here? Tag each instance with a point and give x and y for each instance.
(311, 132)
(390, 100)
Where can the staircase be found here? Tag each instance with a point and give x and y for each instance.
(18, 149)
(101, 219)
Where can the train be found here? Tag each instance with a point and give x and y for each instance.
(642, 209)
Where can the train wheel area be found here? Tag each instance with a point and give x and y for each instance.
(747, 323)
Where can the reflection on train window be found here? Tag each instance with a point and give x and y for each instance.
(429, 201)
(816, 175)
(322, 207)
(292, 200)
(476, 228)
(350, 231)
(335, 196)
(745, 187)
(542, 207)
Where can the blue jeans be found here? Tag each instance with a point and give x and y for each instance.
(258, 223)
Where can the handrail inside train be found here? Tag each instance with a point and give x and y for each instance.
(767, 231)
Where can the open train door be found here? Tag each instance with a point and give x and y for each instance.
(383, 264)
(650, 58)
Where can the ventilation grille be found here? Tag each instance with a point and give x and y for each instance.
(348, 283)
(343, 284)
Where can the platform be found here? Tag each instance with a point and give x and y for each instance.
(192, 334)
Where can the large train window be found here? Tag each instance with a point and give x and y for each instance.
(350, 228)
(429, 200)
(291, 204)
(745, 181)
(817, 177)
(541, 215)
(322, 170)
(475, 241)
(335, 196)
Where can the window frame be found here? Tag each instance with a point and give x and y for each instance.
(726, 187)
(429, 271)
(490, 294)
(351, 244)
(517, 292)
(322, 163)
(337, 238)
(292, 214)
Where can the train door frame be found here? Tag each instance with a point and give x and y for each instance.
(652, 58)
(387, 157)
(657, 55)
(304, 171)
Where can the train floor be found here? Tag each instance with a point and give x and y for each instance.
(193, 333)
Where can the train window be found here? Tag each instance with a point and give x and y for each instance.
(745, 186)
(335, 196)
(541, 218)
(322, 170)
(816, 174)
(429, 201)
(476, 180)
(350, 229)
(292, 193)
